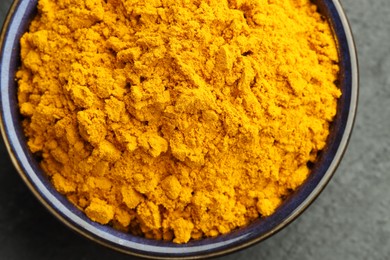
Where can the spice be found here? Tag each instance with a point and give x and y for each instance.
(177, 119)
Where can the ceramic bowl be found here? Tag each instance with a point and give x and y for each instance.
(17, 23)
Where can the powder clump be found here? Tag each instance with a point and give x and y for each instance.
(177, 119)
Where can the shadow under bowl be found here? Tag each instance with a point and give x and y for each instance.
(17, 23)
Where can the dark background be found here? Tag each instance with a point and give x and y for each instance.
(350, 220)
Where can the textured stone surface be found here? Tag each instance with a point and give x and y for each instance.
(350, 220)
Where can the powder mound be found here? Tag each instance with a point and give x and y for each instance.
(177, 120)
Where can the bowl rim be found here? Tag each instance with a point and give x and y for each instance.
(98, 234)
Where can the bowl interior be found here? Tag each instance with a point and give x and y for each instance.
(17, 23)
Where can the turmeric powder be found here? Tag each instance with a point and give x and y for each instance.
(177, 119)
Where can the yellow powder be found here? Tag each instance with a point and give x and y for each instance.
(177, 119)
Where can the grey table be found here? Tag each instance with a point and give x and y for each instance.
(350, 220)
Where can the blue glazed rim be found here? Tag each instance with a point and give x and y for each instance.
(16, 24)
